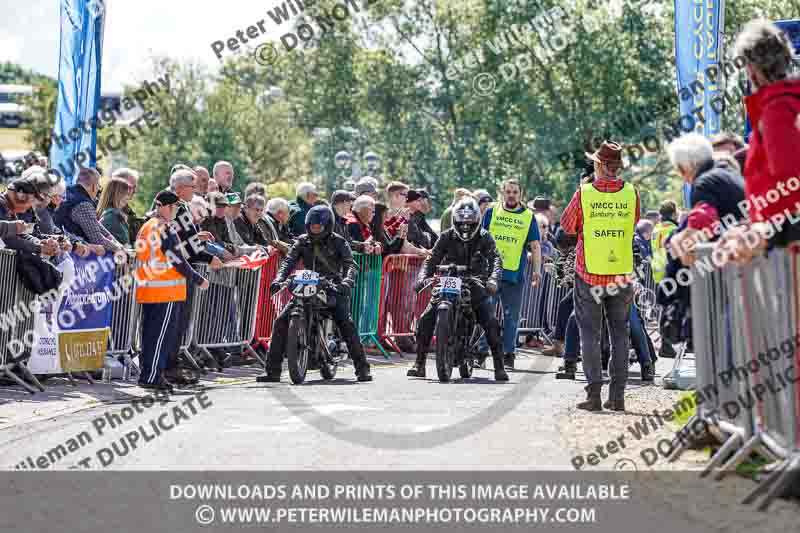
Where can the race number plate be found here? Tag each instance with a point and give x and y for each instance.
(304, 289)
(306, 277)
(451, 285)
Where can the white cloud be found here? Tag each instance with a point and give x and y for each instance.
(135, 31)
(10, 47)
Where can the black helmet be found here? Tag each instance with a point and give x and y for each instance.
(466, 219)
(319, 214)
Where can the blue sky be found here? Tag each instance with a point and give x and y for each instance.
(135, 31)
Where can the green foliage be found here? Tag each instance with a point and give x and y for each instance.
(13, 74)
(204, 120)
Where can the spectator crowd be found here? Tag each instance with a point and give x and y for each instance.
(745, 198)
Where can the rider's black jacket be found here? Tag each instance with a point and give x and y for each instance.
(479, 254)
(333, 259)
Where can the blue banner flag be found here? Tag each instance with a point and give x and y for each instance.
(792, 30)
(80, 51)
(698, 28)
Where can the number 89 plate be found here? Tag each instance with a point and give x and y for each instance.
(451, 285)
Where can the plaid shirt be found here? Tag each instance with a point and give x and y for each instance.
(85, 216)
(572, 222)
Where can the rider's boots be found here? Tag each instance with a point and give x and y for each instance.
(418, 370)
(499, 372)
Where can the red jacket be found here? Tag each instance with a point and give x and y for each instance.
(774, 152)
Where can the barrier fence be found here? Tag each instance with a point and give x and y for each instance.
(17, 320)
(540, 304)
(366, 297)
(400, 305)
(745, 332)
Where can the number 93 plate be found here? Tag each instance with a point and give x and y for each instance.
(451, 285)
(306, 277)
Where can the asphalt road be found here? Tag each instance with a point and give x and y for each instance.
(393, 422)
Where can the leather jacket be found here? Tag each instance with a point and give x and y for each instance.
(338, 264)
(479, 254)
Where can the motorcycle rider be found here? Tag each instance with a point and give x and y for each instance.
(466, 243)
(328, 254)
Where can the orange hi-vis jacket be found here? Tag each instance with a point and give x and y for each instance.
(157, 279)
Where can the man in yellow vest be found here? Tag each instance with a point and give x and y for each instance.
(603, 213)
(665, 228)
(162, 275)
(515, 233)
(668, 224)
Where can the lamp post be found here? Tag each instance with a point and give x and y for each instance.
(342, 160)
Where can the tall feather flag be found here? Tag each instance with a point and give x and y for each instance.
(79, 73)
(698, 30)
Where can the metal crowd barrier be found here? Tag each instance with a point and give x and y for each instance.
(224, 315)
(366, 297)
(400, 305)
(268, 307)
(745, 327)
(124, 314)
(540, 304)
(13, 301)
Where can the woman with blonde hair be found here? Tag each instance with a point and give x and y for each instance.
(113, 200)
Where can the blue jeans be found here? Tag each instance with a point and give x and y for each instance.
(511, 297)
(573, 339)
(639, 338)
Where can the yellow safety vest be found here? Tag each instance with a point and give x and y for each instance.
(157, 280)
(510, 232)
(608, 226)
(659, 261)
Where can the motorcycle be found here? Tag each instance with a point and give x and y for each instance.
(457, 330)
(313, 334)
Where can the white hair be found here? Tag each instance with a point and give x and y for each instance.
(276, 204)
(126, 174)
(541, 220)
(181, 177)
(304, 188)
(220, 164)
(34, 169)
(690, 151)
(362, 202)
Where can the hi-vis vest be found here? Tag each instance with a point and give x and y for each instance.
(608, 226)
(659, 261)
(510, 231)
(157, 279)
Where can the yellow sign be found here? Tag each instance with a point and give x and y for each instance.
(82, 350)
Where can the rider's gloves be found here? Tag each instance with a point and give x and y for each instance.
(491, 286)
(343, 289)
(275, 287)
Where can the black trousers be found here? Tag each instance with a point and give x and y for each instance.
(484, 311)
(183, 324)
(565, 308)
(343, 320)
(159, 338)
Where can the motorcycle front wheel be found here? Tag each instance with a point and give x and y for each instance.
(297, 350)
(444, 345)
